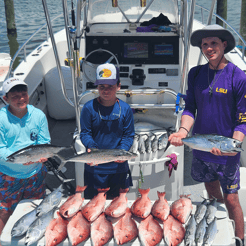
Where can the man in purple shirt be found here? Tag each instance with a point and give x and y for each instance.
(216, 104)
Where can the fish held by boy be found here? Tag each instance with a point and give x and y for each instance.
(56, 232)
(73, 204)
(100, 156)
(205, 142)
(34, 153)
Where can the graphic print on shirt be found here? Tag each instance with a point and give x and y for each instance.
(34, 134)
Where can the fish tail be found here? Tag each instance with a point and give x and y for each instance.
(161, 194)
(123, 190)
(103, 190)
(144, 191)
(63, 162)
(80, 189)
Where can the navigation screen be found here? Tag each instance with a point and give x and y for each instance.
(135, 50)
(163, 49)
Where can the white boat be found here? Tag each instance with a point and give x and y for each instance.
(153, 72)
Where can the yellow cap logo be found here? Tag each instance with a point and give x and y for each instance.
(105, 73)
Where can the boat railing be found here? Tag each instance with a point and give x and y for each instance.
(142, 92)
(24, 45)
(225, 25)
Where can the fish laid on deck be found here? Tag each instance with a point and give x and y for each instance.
(211, 211)
(118, 205)
(73, 204)
(201, 211)
(207, 141)
(190, 231)
(150, 232)
(56, 232)
(95, 206)
(211, 232)
(101, 231)
(161, 208)
(142, 205)
(126, 230)
(200, 231)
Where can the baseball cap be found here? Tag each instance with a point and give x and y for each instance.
(10, 83)
(213, 31)
(107, 73)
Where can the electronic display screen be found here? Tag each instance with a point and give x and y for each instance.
(163, 49)
(136, 50)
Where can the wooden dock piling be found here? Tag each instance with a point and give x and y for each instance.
(10, 16)
(221, 11)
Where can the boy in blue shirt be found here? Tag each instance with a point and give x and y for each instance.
(107, 123)
(21, 125)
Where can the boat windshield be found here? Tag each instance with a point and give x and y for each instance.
(103, 11)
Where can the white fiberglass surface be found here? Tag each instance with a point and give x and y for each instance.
(99, 10)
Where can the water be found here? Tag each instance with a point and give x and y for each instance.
(29, 16)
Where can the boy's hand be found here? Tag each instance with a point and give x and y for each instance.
(217, 152)
(91, 163)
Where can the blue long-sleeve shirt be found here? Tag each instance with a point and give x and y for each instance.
(221, 113)
(107, 134)
(16, 133)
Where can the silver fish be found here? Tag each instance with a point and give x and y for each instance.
(207, 141)
(145, 127)
(134, 147)
(154, 144)
(34, 153)
(38, 227)
(148, 142)
(210, 234)
(20, 227)
(211, 211)
(200, 231)
(190, 231)
(52, 200)
(201, 211)
(141, 143)
(100, 156)
(162, 141)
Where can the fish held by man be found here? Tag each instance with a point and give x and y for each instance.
(95, 206)
(56, 232)
(34, 153)
(142, 205)
(205, 142)
(126, 230)
(161, 208)
(100, 156)
(73, 204)
(78, 229)
(101, 231)
(38, 227)
(118, 205)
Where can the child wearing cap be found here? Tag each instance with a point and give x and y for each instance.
(21, 125)
(216, 104)
(107, 123)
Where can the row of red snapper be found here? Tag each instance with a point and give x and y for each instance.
(95, 221)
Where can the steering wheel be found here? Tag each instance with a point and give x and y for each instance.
(89, 69)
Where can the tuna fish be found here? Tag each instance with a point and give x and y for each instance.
(101, 231)
(210, 234)
(190, 231)
(100, 156)
(154, 144)
(142, 205)
(38, 227)
(207, 141)
(134, 147)
(141, 143)
(211, 211)
(95, 206)
(161, 208)
(118, 205)
(150, 232)
(125, 231)
(174, 232)
(20, 227)
(78, 229)
(33, 153)
(200, 231)
(181, 208)
(56, 232)
(201, 211)
(73, 204)
(162, 141)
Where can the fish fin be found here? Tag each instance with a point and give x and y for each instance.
(123, 190)
(143, 191)
(73, 145)
(103, 190)
(80, 189)
(63, 163)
